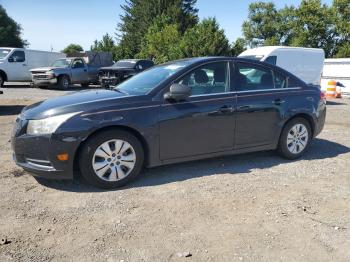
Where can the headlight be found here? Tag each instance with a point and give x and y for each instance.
(47, 125)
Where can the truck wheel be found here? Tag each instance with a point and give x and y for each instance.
(63, 82)
(1, 81)
(85, 85)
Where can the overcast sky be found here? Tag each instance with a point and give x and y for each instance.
(48, 23)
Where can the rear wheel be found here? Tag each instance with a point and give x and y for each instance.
(295, 138)
(63, 82)
(111, 159)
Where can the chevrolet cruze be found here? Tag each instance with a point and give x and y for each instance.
(179, 111)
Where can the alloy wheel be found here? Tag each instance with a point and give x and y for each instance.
(114, 160)
(297, 138)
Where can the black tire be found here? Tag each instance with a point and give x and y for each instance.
(85, 85)
(1, 81)
(283, 149)
(63, 82)
(92, 144)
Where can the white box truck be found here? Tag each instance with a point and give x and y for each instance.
(305, 63)
(337, 69)
(15, 63)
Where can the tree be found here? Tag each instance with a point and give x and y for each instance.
(341, 9)
(139, 15)
(315, 27)
(162, 41)
(10, 31)
(107, 44)
(72, 48)
(238, 47)
(205, 39)
(262, 26)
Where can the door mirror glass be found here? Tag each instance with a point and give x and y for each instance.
(178, 92)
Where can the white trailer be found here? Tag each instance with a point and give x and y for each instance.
(337, 69)
(305, 63)
(15, 63)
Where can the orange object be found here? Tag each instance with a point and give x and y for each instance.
(331, 89)
(62, 157)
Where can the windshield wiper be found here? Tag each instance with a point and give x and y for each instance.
(120, 91)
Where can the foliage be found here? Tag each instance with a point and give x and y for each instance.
(106, 44)
(162, 41)
(10, 31)
(139, 15)
(205, 39)
(238, 47)
(311, 24)
(72, 48)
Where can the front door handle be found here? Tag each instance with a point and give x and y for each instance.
(279, 102)
(226, 109)
(85, 70)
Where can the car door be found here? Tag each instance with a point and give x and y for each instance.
(79, 71)
(204, 123)
(258, 106)
(18, 67)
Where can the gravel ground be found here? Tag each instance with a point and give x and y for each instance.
(253, 207)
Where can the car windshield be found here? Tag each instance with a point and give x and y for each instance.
(125, 63)
(254, 57)
(4, 52)
(146, 81)
(61, 63)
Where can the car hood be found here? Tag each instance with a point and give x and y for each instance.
(44, 69)
(82, 101)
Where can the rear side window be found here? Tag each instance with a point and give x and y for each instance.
(271, 60)
(293, 83)
(252, 77)
(280, 80)
(17, 56)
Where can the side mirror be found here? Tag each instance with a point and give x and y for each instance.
(178, 92)
(11, 60)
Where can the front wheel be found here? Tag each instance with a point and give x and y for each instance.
(111, 159)
(63, 82)
(295, 138)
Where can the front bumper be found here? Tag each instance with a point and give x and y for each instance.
(45, 82)
(38, 154)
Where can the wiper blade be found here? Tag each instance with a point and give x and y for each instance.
(120, 91)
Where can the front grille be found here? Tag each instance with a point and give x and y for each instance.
(45, 77)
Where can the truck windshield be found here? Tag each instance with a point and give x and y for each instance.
(125, 64)
(61, 63)
(143, 83)
(253, 57)
(4, 52)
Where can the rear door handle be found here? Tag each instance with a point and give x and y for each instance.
(279, 102)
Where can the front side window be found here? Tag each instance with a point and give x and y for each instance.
(252, 77)
(78, 64)
(17, 56)
(208, 79)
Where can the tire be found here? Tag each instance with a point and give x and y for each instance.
(63, 82)
(1, 81)
(101, 159)
(85, 85)
(295, 138)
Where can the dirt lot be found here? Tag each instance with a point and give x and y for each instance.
(254, 207)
